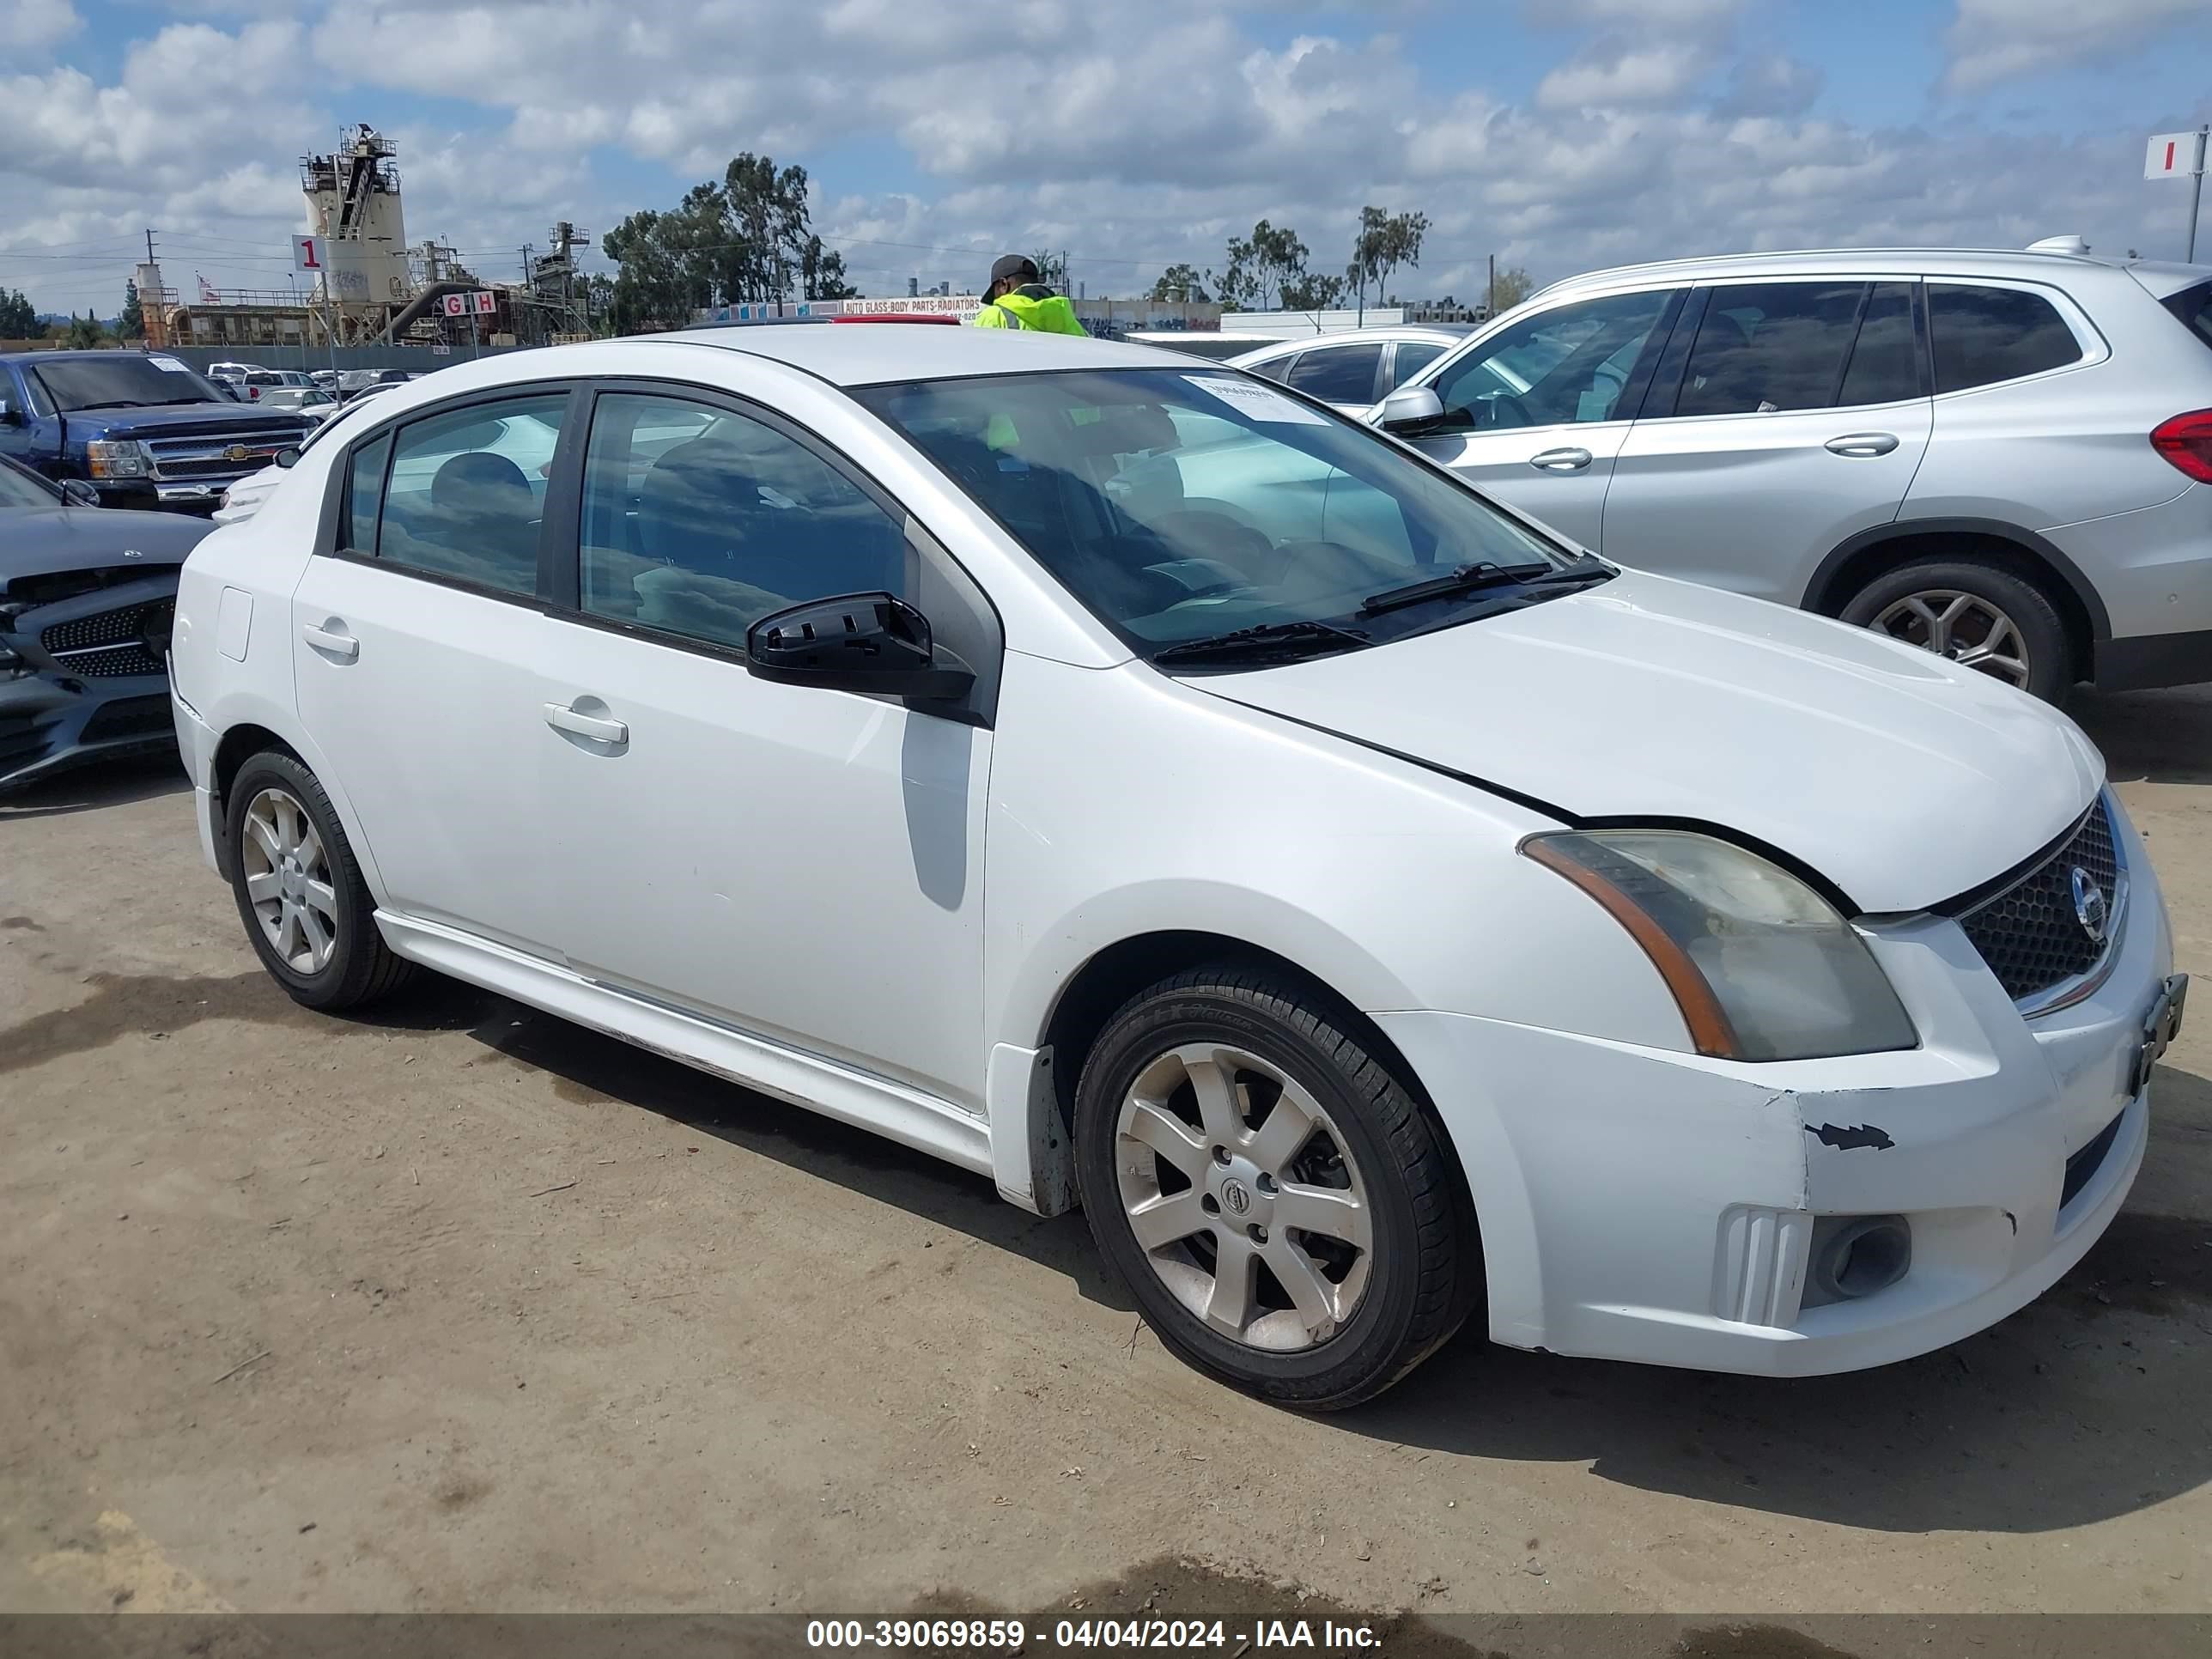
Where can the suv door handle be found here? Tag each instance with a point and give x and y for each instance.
(561, 718)
(1862, 443)
(1565, 460)
(343, 646)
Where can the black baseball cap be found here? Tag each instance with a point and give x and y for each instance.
(1014, 265)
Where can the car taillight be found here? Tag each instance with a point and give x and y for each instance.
(2186, 440)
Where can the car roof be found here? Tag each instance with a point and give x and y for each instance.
(2018, 263)
(1433, 333)
(75, 356)
(918, 351)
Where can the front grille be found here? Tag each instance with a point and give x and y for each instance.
(129, 717)
(2085, 1164)
(112, 643)
(206, 455)
(2030, 933)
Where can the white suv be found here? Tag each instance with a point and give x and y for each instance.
(1119, 776)
(2000, 456)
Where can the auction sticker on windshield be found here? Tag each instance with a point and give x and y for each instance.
(171, 366)
(1257, 402)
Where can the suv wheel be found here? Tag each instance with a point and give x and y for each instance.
(1273, 1198)
(307, 910)
(1976, 613)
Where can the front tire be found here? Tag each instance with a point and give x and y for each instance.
(307, 912)
(1275, 1200)
(1976, 612)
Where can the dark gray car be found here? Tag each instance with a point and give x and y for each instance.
(86, 594)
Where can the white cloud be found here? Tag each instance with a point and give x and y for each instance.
(29, 26)
(1610, 74)
(1993, 40)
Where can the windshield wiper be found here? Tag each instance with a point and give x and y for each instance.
(1282, 639)
(119, 403)
(1467, 578)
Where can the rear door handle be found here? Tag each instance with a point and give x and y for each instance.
(561, 718)
(343, 646)
(1561, 460)
(1862, 443)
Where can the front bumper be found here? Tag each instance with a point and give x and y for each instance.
(1654, 1205)
(59, 711)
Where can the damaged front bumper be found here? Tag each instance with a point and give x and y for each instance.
(1654, 1205)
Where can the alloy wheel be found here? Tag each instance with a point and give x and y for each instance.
(288, 881)
(1244, 1197)
(1966, 628)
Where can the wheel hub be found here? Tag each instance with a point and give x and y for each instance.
(1243, 1192)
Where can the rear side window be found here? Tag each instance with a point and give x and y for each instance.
(365, 493)
(1885, 365)
(465, 493)
(1276, 368)
(2193, 306)
(1338, 375)
(1984, 335)
(1771, 346)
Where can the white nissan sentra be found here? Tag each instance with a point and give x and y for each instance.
(1133, 783)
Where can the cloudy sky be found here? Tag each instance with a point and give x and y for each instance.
(1557, 134)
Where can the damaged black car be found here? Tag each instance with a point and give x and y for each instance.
(87, 597)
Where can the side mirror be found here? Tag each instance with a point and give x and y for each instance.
(9, 415)
(287, 458)
(1411, 409)
(872, 643)
(77, 493)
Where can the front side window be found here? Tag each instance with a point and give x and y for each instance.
(1765, 347)
(1181, 506)
(465, 493)
(1564, 366)
(1338, 375)
(1413, 356)
(699, 521)
(1984, 335)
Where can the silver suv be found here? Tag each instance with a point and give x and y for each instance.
(2001, 456)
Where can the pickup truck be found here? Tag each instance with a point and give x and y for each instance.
(143, 429)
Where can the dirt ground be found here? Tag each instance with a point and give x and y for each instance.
(462, 1308)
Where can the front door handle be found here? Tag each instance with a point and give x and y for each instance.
(1561, 460)
(1862, 443)
(561, 718)
(343, 646)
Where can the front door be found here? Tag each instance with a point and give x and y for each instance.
(418, 650)
(805, 864)
(1796, 419)
(1536, 410)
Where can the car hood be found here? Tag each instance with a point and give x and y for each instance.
(184, 420)
(1902, 778)
(47, 539)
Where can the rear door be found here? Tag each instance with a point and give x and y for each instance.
(1535, 409)
(1786, 417)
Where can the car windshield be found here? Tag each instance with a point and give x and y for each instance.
(19, 491)
(1183, 505)
(132, 382)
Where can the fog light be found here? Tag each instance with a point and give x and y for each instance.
(1856, 1255)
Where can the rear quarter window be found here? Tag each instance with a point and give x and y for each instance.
(1984, 335)
(2193, 308)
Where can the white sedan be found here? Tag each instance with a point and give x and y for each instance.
(1375, 911)
(1353, 369)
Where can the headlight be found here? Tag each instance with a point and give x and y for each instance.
(1762, 967)
(107, 458)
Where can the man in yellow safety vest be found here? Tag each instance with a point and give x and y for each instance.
(1017, 298)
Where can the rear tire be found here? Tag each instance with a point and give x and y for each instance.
(1306, 1237)
(307, 912)
(1976, 611)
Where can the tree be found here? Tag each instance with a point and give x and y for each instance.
(1234, 281)
(1179, 284)
(1510, 288)
(18, 320)
(1278, 257)
(1052, 268)
(84, 333)
(1312, 292)
(131, 325)
(1385, 241)
(743, 239)
(822, 273)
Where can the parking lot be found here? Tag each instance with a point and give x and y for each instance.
(463, 1308)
